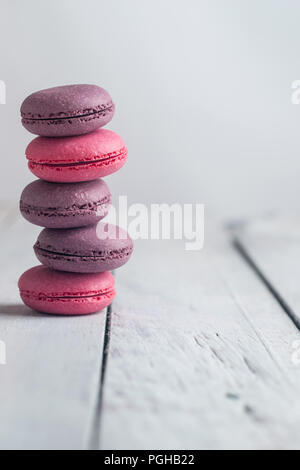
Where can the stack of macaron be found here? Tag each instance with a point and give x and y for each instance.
(69, 199)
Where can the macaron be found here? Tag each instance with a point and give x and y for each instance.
(67, 110)
(75, 159)
(92, 249)
(61, 293)
(57, 205)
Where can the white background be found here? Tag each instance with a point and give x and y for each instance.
(202, 90)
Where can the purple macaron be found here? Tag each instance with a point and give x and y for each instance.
(67, 110)
(61, 206)
(97, 248)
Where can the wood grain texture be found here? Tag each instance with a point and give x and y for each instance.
(200, 356)
(273, 245)
(49, 386)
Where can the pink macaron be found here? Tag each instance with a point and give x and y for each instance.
(75, 159)
(63, 293)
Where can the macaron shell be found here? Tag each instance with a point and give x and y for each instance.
(55, 205)
(67, 110)
(64, 293)
(83, 250)
(80, 158)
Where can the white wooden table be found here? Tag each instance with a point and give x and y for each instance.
(199, 350)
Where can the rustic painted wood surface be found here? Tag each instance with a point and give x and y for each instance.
(200, 356)
(198, 352)
(49, 386)
(273, 245)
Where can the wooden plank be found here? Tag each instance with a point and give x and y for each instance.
(273, 248)
(200, 356)
(50, 384)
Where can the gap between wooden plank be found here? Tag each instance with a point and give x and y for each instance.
(184, 345)
(240, 248)
(96, 425)
(49, 384)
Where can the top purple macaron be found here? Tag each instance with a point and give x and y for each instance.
(67, 110)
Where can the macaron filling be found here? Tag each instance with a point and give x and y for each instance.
(67, 295)
(77, 114)
(97, 256)
(120, 154)
(91, 207)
